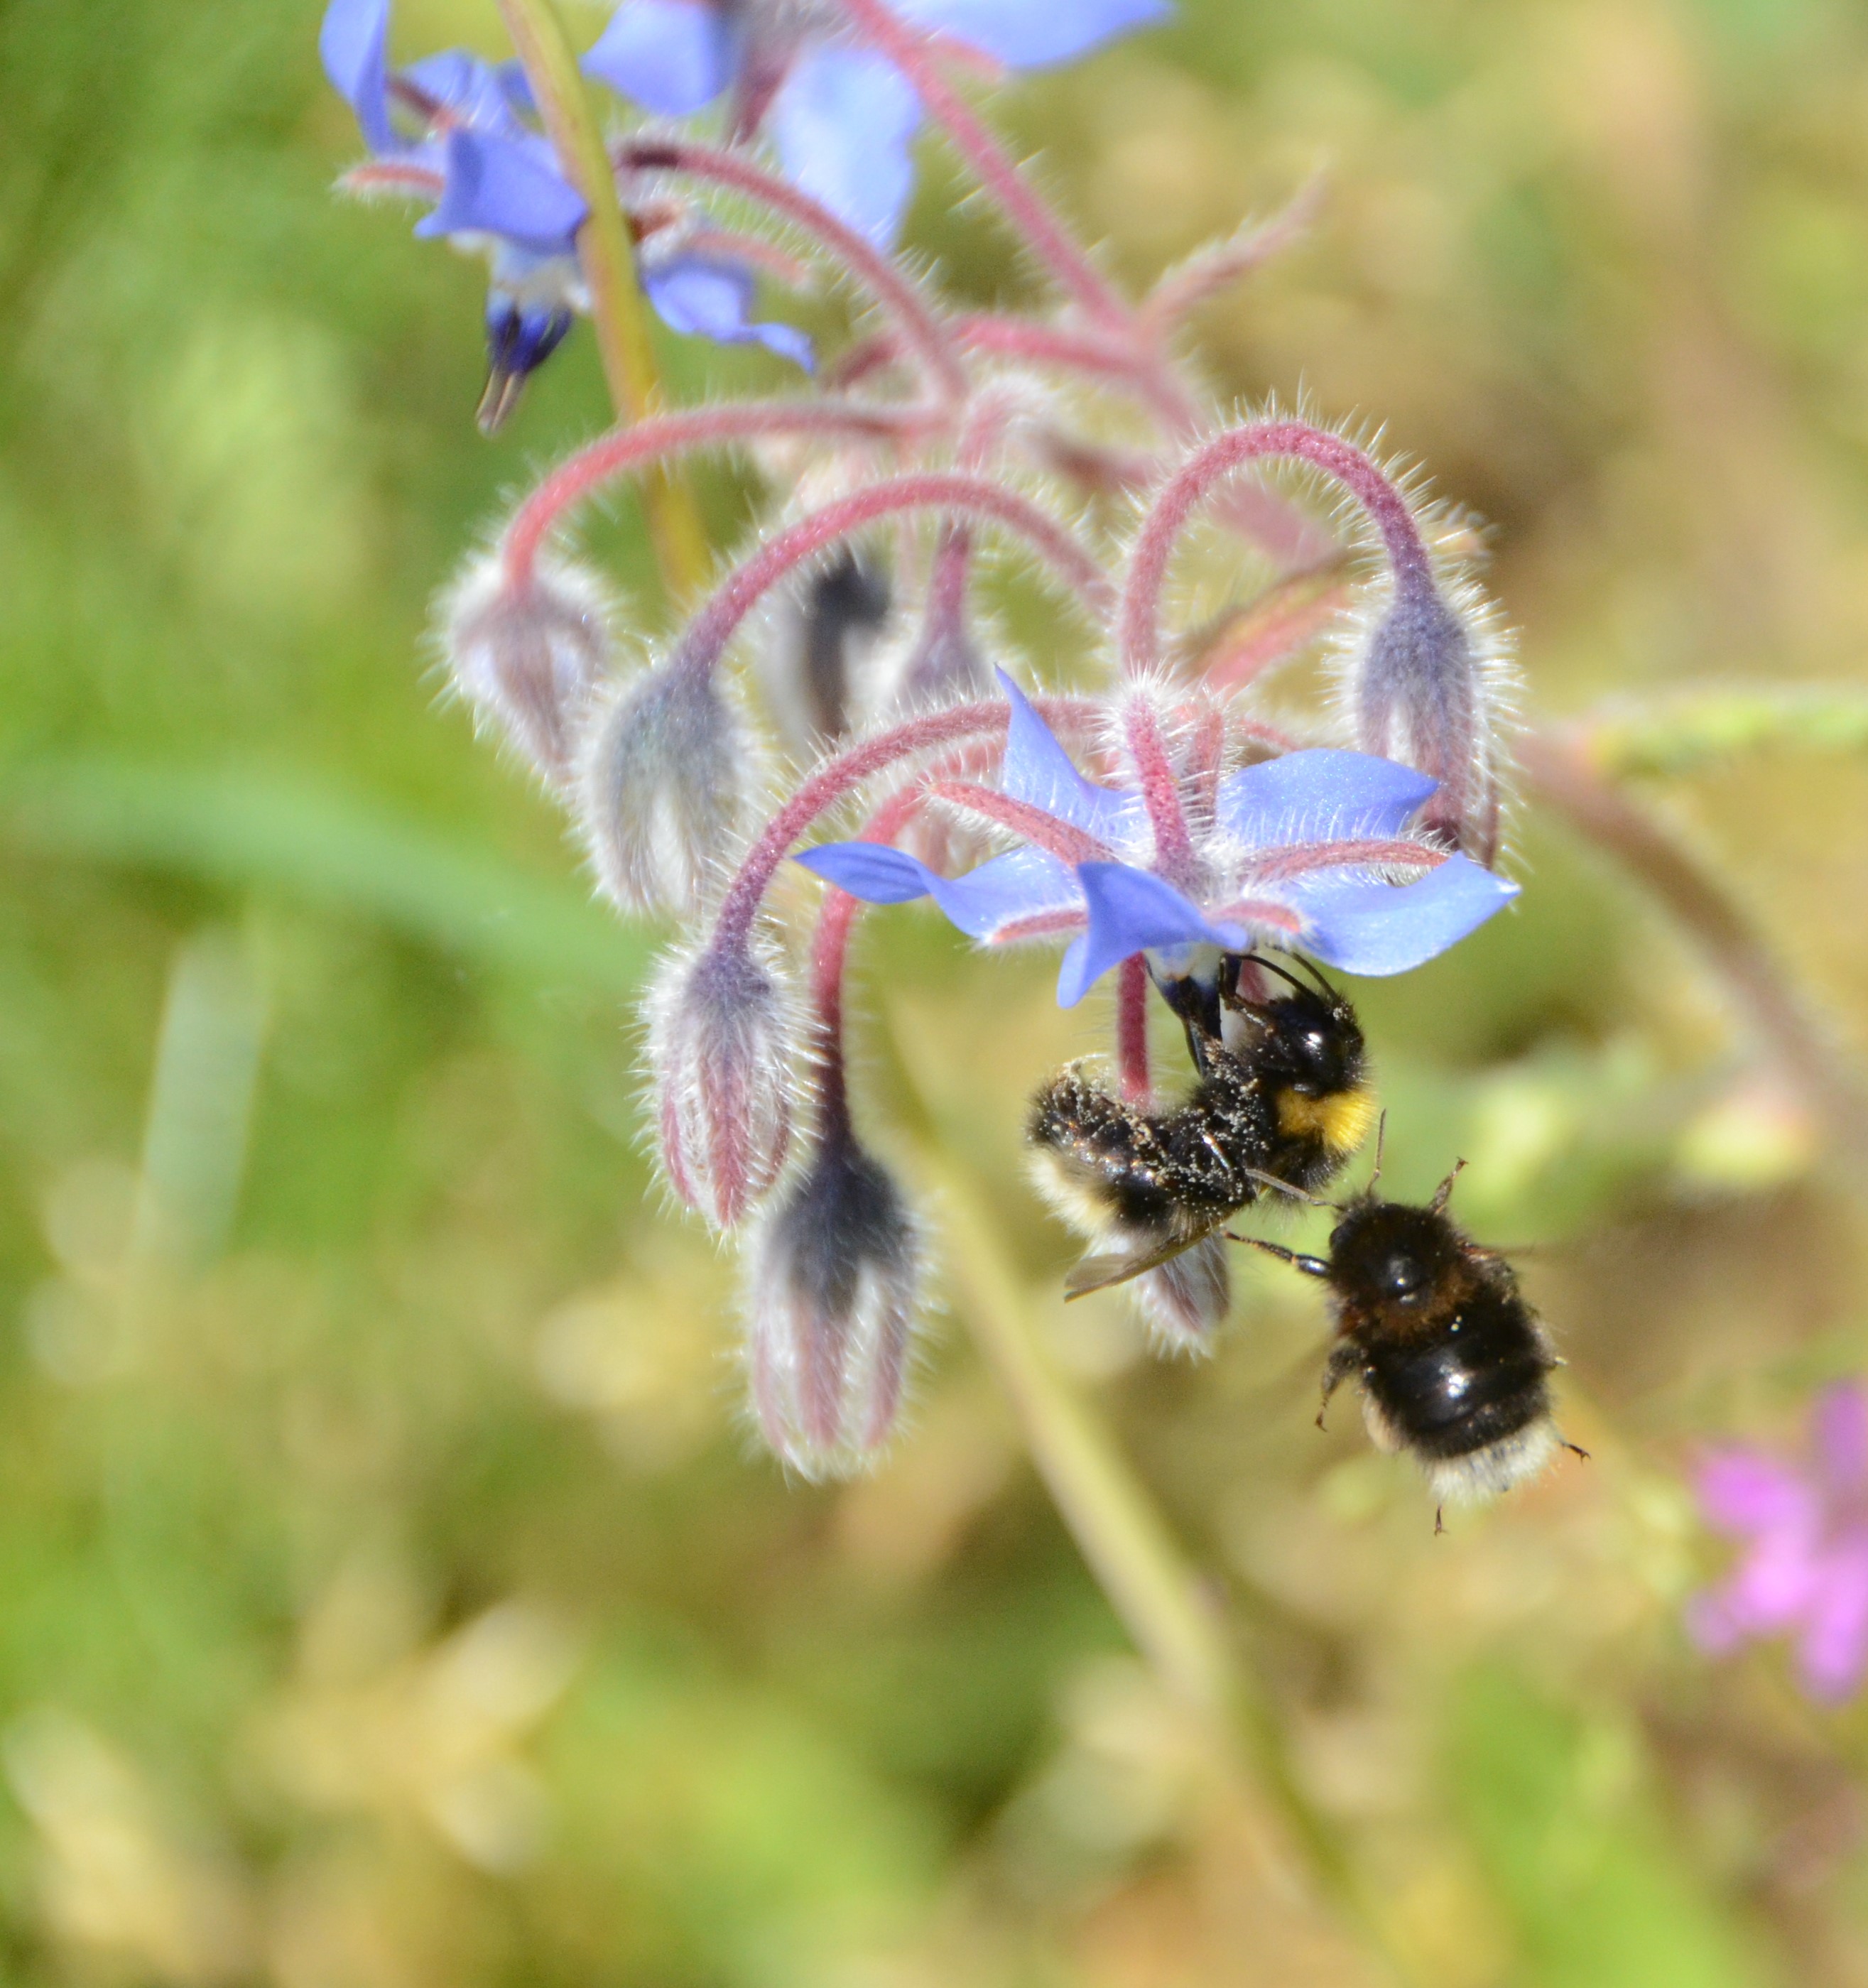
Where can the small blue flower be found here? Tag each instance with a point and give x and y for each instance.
(450, 130)
(1298, 851)
(842, 116)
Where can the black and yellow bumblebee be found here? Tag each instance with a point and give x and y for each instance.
(1282, 1089)
(1450, 1360)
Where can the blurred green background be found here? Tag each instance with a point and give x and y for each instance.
(389, 1592)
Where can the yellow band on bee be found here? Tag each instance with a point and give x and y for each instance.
(1341, 1121)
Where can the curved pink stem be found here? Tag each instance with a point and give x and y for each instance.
(838, 778)
(1207, 270)
(1131, 1031)
(714, 626)
(919, 325)
(1122, 361)
(1139, 623)
(1160, 788)
(1018, 200)
(644, 442)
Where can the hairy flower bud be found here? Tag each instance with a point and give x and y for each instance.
(530, 655)
(1427, 686)
(832, 1280)
(1185, 1299)
(723, 1045)
(662, 789)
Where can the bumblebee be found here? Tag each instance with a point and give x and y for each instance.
(1451, 1361)
(1282, 1090)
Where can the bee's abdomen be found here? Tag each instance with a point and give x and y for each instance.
(1467, 1385)
(1104, 1148)
(1166, 1173)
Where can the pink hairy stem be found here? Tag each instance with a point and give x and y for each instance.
(919, 326)
(1369, 853)
(1018, 200)
(830, 955)
(1184, 288)
(1132, 978)
(1160, 788)
(647, 441)
(1139, 629)
(1043, 831)
(1205, 760)
(1558, 770)
(837, 778)
(707, 634)
(1122, 361)
(1286, 619)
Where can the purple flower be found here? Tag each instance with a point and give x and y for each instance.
(1804, 1569)
(451, 129)
(841, 115)
(1183, 863)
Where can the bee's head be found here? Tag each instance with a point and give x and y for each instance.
(1389, 1259)
(1308, 1036)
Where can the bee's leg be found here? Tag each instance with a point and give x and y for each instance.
(1575, 1449)
(1440, 1524)
(1311, 1267)
(1343, 1361)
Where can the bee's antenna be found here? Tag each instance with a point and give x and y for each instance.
(1443, 1193)
(1283, 973)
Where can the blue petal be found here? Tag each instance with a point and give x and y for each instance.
(706, 298)
(1380, 928)
(497, 186)
(1037, 771)
(477, 93)
(1131, 910)
(842, 119)
(670, 57)
(1026, 34)
(1320, 794)
(352, 43)
(1023, 883)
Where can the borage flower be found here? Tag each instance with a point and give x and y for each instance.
(1804, 1569)
(451, 129)
(1182, 863)
(841, 115)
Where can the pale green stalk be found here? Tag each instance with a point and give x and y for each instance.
(618, 310)
(1156, 1591)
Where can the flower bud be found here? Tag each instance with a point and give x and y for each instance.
(1428, 688)
(1186, 1299)
(824, 640)
(662, 790)
(530, 655)
(722, 1045)
(832, 1280)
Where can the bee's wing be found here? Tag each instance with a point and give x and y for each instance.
(1098, 1273)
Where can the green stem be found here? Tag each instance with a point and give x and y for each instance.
(1679, 734)
(618, 310)
(1156, 1592)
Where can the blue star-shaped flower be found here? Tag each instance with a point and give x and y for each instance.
(840, 115)
(451, 129)
(1302, 850)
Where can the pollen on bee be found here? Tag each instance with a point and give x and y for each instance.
(1341, 1120)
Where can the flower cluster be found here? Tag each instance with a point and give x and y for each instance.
(1151, 817)
(1803, 1572)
